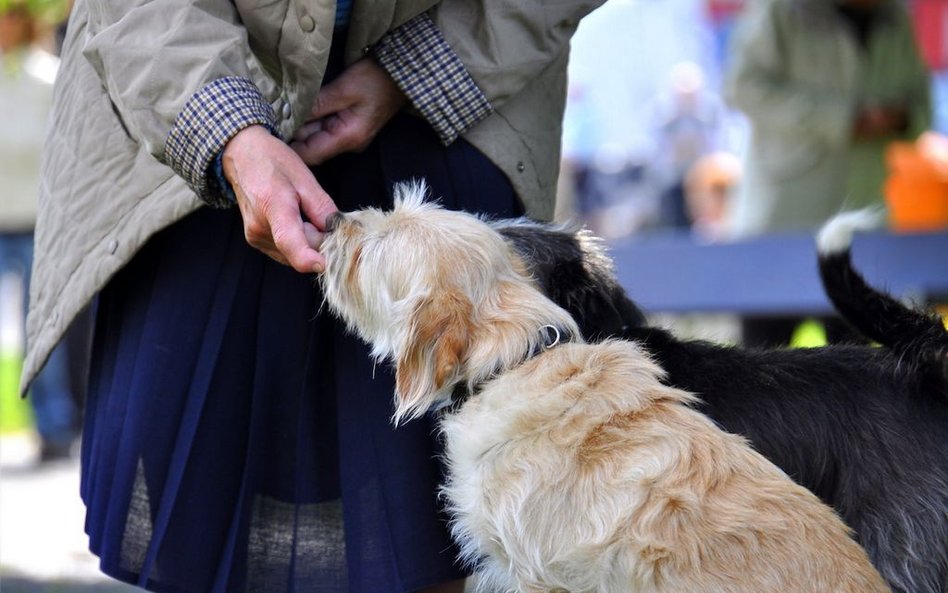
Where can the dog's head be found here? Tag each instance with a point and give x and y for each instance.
(571, 267)
(438, 292)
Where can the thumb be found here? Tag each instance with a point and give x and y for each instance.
(317, 210)
(315, 203)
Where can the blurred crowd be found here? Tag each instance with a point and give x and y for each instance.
(752, 117)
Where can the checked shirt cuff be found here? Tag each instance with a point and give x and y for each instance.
(427, 70)
(211, 117)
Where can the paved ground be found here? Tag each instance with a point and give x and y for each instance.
(42, 544)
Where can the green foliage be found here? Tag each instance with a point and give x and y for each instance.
(15, 412)
(49, 12)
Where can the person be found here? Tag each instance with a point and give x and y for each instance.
(826, 86)
(582, 197)
(689, 125)
(709, 189)
(25, 93)
(236, 437)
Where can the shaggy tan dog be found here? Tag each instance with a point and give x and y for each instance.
(571, 466)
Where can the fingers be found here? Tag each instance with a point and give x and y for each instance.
(291, 242)
(275, 190)
(307, 130)
(331, 98)
(315, 148)
(314, 238)
(316, 209)
(311, 199)
(275, 227)
(289, 237)
(336, 134)
(348, 113)
(296, 229)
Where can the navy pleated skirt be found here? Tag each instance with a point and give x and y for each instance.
(236, 438)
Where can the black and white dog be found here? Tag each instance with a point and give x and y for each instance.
(864, 428)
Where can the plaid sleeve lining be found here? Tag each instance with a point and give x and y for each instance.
(427, 70)
(211, 117)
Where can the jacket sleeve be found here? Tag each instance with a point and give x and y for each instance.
(177, 73)
(464, 58)
(757, 83)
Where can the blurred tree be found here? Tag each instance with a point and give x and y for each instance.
(22, 22)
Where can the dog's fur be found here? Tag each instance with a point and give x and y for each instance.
(918, 338)
(866, 429)
(571, 467)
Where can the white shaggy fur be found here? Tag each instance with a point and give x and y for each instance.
(836, 235)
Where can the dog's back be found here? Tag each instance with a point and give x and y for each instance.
(648, 494)
(856, 425)
(916, 337)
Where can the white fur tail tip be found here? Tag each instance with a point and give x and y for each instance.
(836, 235)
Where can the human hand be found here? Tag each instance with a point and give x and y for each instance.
(348, 112)
(275, 190)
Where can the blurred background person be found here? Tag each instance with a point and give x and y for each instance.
(601, 182)
(688, 118)
(615, 113)
(827, 86)
(709, 189)
(578, 194)
(26, 76)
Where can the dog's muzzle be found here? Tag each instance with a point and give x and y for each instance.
(334, 220)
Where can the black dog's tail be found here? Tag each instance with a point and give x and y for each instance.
(912, 335)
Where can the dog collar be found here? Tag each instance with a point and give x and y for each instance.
(551, 336)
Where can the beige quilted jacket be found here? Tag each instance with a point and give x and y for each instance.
(130, 65)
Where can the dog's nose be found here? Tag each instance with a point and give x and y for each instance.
(333, 221)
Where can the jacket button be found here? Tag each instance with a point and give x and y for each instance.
(366, 50)
(113, 246)
(307, 23)
(521, 167)
(287, 112)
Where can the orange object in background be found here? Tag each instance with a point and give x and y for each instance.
(916, 190)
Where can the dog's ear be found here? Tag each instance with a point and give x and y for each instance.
(439, 334)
